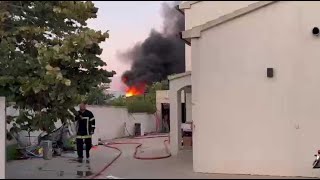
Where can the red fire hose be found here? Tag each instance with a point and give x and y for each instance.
(110, 145)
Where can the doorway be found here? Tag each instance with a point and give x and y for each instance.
(165, 111)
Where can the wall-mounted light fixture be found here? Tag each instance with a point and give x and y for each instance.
(315, 31)
(270, 72)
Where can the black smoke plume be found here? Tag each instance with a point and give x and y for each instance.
(161, 54)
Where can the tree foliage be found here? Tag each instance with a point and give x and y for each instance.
(97, 96)
(49, 59)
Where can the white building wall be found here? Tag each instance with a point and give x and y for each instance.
(3, 137)
(205, 11)
(114, 122)
(110, 123)
(147, 121)
(188, 58)
(188, 107)
(246, 123)
(162, 96)
(175, 95)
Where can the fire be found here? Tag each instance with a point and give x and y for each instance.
(134, 90)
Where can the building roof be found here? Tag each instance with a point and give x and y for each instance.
(180, 75)
(195, 32)
(187, 5)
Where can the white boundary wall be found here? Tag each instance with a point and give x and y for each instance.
(110, 123)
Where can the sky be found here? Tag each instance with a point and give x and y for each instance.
(128, 22)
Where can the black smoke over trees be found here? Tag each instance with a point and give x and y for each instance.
(161, 54)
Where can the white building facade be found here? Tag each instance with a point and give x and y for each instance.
(245, 120)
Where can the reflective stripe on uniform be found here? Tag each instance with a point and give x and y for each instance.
(88, 126)
(92, 119)
(86, 118)
(84, 137)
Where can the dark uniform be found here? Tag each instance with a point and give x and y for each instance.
(86, 127)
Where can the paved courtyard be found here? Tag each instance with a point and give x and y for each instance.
(124, 167)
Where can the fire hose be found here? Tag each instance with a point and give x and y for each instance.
(111, 145)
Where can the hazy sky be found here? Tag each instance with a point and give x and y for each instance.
(128, 22)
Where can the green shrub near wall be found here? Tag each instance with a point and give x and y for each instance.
(142, 103)
(140, 106)
(118, 102)
(135, 104)
(12, 152)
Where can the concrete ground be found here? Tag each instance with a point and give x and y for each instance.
(125, 167)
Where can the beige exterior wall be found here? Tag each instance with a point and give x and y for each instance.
(246, 123)
(205, 11)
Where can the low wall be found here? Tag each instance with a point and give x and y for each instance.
(110, 123)
(115, 122)
(24, 136)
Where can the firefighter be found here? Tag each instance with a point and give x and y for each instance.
(86, 126)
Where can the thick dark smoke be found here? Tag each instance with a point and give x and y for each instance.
(161, 54)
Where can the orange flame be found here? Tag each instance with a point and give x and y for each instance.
(134, 90)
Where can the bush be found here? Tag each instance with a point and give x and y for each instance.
(12, 152)
(70, 144)
(142, 103)
(119, 102)
(137, 105)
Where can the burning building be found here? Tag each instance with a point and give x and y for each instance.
(136, 89)
(159, 55)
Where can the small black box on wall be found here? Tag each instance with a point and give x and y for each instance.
(270, 72)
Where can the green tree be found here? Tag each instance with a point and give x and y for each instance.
(97, 96)
(49, 59)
